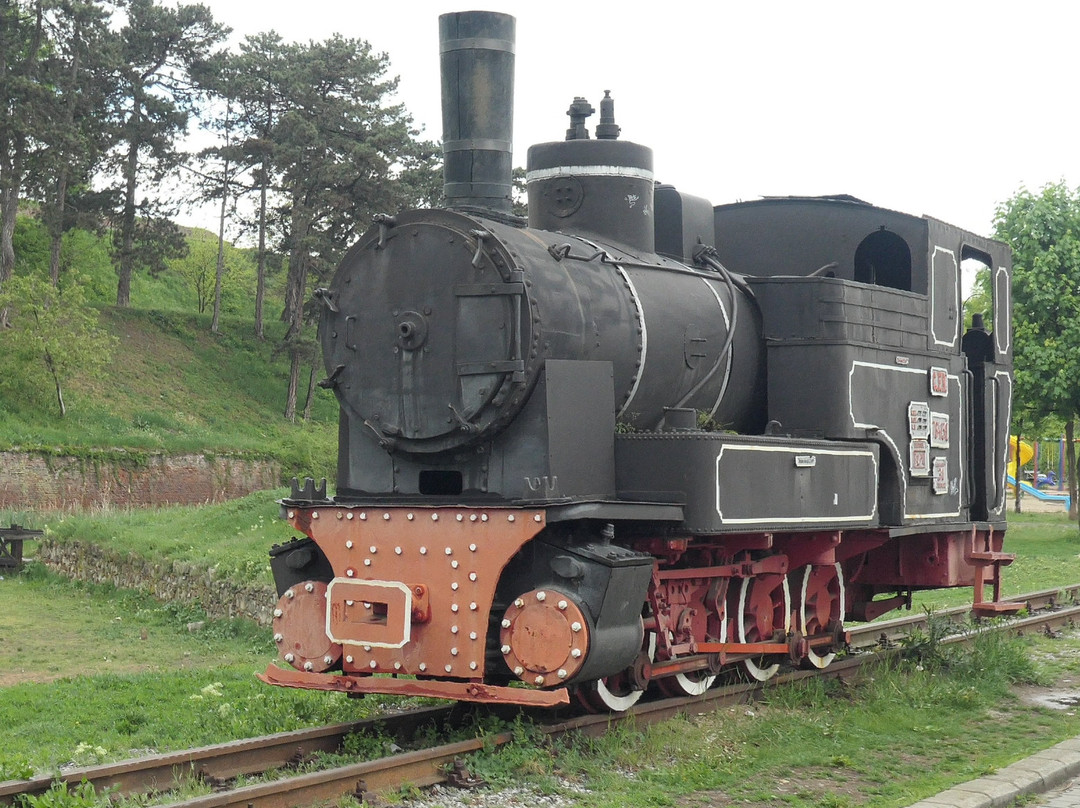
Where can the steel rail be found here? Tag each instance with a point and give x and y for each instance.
(223, 762)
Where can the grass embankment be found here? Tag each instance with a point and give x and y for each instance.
(133, 678)
(174, 387)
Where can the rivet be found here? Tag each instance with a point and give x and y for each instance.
(367, 562)
(373, 549)
(454, 629)
(372, 664)
(349, 659)
(348, 544)
(434, 517)
(448, 668)
(472, 666)
(397, 550)
(279, 637)
(575, 626)
(472, 635)
(449, 550)
(368, 607)
(505, 623)
(309, 587)
(536, 518)
(349, 602)
(460, 518)
(350, 572)
(349, 515)
(363, 517)
(472, 576)
(541, 596)
(290, 594)
(454, 607)
(562, 673)
(576, 653)
(386, 517)
(423, 551)
(308, 666)
(340, 516)
(454, 586)
(472, 517)
(397, 666)
(510, 518)
(519, 603)
(410, 516)
(453, 652)
(423, 667)
(518, 670)
(329, 660)
(277, 612)
(505, 649)
(367, 648)
(539, 680)
(483, 517)
(472, 548)
(455, 564)
(289, 657)
(472, 607)
(314, 514)
(562, 605)
(292, 514)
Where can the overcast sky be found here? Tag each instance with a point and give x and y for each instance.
(942, 108)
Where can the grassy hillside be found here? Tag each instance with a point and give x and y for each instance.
(170, 385)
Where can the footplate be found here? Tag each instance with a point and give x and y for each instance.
(457, 690)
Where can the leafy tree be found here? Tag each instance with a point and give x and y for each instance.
(199, 268)
(21, 39)
(1043, 230)
(54, 333)
(329, 148)
(160, 47)
(80, 69)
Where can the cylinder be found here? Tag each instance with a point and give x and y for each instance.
(477, 67)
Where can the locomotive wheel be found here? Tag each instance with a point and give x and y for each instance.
(695, 683)
(764, 611)
(614, 694)
(822, 607)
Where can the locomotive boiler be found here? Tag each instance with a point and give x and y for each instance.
(636, 439)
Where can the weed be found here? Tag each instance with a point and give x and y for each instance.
(60, 796)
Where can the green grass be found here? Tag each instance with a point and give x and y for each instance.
(232, 537)
(171, 386)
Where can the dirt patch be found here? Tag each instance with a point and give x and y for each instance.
(842, 785)
(1054, 698)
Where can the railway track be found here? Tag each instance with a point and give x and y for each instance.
(217, 765)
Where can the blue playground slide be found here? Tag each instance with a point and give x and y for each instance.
(1028, 488)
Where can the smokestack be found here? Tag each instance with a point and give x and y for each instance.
(477, 66)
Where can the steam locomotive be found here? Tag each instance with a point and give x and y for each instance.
(638, 439)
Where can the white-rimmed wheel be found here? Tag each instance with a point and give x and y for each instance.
(821, 609)
(764, 611)
(691, 684)
(615, 694)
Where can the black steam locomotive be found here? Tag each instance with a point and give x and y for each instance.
(637, 439)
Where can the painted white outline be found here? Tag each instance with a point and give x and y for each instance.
(796, 450)
(1002, 487)
(379, 584)
(889, 439)
(644, 340)
(538, 174)
(1003, 308)
(955, 303)
(731, 350)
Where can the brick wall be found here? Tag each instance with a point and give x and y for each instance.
(36, 482)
